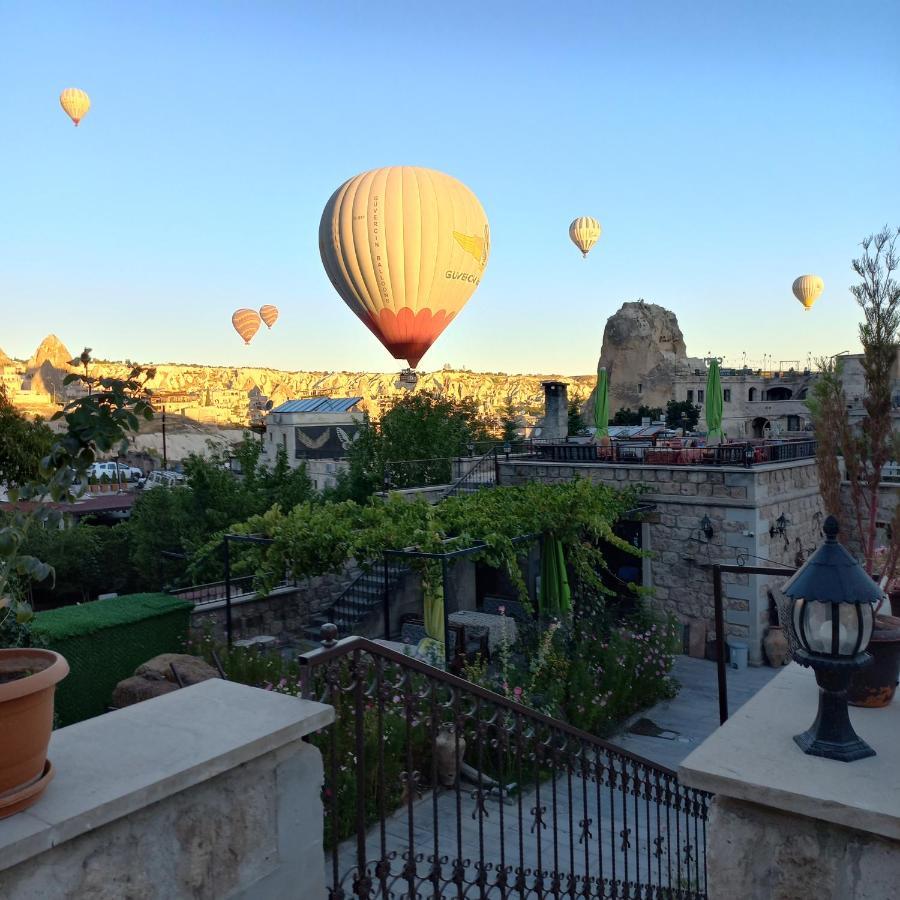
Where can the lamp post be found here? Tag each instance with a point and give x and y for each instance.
(833, 614)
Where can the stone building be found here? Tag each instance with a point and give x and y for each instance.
(315, 432)
(757, 403)
(705, 515)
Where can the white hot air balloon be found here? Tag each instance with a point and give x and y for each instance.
(405, 248)
(584, 233)
(807, 289)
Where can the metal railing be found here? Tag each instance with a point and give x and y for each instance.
(214, 591)
(371, 590)
(480, 474)
(436, 787)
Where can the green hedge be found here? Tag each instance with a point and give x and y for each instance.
(105, 641)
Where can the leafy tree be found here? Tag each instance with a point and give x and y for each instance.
(682, 414)
(626, 416)
(414, 444)
(22, 444)
(866, 449)
(510, 423)
(576, 419)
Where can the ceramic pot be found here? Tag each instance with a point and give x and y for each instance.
(449, 750)
(26, 720)
(776, 646)
(875, 685)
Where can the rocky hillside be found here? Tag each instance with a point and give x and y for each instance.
(220, 395)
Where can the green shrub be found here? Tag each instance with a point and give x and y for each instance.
(105, 641)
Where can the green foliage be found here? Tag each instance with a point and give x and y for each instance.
(414, 444)
(592, 671)
(510, 423)
(94, 423)
(626, 416)
(313, 539)
(23, 444)
(105, 641)
(682, 414)
(576, 419)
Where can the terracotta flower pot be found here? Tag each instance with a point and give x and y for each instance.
(874, 686)
(26, 720)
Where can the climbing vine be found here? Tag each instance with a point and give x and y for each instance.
(314, 539)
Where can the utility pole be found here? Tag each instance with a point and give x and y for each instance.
(165, 457)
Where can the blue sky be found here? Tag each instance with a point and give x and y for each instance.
(726, 147)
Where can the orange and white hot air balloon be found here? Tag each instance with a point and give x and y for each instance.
(807, 289)
(269, 314)
(405, 248)
(75, 103)
(584, 233)
(246, 323)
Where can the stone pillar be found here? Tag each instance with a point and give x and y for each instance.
(556, 411)
(784, 824)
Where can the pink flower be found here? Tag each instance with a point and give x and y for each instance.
(517, 693)
(501, 610)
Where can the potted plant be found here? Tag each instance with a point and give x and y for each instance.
(29, 674)
(852, 456)
(93, 484)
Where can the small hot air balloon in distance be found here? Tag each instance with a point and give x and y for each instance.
(584, 232)
(246, 323)
(405, 248)
(269, 314)
(75, 104)
(807, 289)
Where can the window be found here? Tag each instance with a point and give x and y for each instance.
(699, 396)
(690, 397)
(284, 442)
(640, 388)
(726, 395)
(752, 394)
(793, 423)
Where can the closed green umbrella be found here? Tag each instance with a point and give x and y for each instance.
(555, 597)
(601, 403)
(714, 403)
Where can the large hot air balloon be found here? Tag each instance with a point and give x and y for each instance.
(807, 289)
(584, 232)
(405, 247)
(269, 314)
(76, 104)
(246, 323)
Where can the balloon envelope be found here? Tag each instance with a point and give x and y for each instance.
(269, 314)
(75, 103)
(807, 289)
(405, 248)
(584, 232)
(246, 323)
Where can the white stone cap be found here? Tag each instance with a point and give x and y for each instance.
(753, 757)
(117, 763)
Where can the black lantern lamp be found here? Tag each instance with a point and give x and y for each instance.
(833, 613)
(706, 526)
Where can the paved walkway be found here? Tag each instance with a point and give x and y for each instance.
(596, 832)
(693, 715)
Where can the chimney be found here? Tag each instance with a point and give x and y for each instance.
(556, 411)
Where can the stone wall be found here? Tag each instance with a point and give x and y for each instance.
(207, 792)
(284, 613)
(741, 503)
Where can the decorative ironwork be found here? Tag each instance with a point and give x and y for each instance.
(509, 803)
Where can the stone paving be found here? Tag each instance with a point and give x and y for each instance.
(606, 836)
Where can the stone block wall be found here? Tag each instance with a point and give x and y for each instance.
(741, 504)
(284, 613)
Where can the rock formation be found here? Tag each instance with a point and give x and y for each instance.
(642, 346)
(52, 350)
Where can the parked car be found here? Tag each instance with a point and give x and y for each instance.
(163, 478)
(114, 470)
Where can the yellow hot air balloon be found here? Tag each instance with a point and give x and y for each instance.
(584, 232)
(246, 323)
(405, 248)
(807, 289)
(76, 104)
(269, 314)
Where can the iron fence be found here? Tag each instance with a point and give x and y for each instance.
(436, 787)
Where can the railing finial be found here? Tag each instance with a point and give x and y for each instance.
(329, 634)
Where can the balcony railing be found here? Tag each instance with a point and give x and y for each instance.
(435, 787)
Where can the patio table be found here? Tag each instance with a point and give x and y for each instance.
(477, 623)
